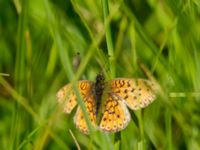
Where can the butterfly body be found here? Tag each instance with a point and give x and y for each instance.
(98, 90)
(106, 102)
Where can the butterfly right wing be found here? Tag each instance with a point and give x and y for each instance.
(67, 97)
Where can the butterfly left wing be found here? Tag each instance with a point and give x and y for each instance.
(115, 115)
(136, 93)
(67, 97)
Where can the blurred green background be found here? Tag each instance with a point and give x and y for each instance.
(40, 39)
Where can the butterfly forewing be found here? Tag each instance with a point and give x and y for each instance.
(67, 97)
(115, 115)
(136, 93)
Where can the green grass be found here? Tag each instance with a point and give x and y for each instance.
(39, 41)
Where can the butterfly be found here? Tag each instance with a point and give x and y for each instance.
(114, 96)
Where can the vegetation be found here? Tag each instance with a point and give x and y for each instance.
(39, 41)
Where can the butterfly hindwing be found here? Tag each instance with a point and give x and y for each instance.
(136, 93)
(115, 115)
(79, 119)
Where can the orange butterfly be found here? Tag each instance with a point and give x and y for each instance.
(118, 93)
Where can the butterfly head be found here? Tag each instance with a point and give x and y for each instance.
(100, 77)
